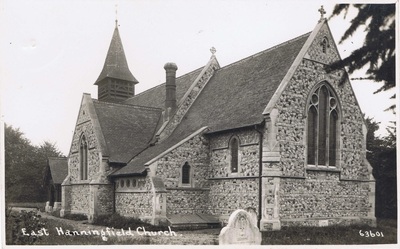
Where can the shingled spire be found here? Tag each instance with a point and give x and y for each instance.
(116, 82)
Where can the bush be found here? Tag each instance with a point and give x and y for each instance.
(75, 217)
(117, 221)
(15, 222)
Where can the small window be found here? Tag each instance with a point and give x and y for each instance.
(324, 45)
(128, 183)
(133, 183)
(186, 173)
(122, 183)
(83, 158)
(234, 148)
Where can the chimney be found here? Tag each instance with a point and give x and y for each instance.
(170, 88)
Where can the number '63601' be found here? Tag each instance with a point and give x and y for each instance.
(370, 234)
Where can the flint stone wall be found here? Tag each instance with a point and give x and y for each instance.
(291, 121)
(249, 154)
(81, 194)
(80, 197)
(135, 200)
(187, 201)
(195, 151)
(317, 197)
(230, 194)
(192, 198)
(104, 199)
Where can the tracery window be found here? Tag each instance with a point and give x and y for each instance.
(186, 173)
(83, 157)
(323, 123)
(234, 148)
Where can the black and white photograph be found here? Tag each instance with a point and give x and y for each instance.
(148, 122)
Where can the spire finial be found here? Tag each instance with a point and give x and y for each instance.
(116, 15)
(213, 51)
(323, 12)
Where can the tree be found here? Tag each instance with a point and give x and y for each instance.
(381, 153)
(24, 166)
(378, 49)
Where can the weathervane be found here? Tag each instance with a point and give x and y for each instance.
(116, 15)
(323, 12)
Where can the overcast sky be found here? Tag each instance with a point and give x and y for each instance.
(53, 51)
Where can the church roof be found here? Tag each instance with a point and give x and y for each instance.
(127, 129)
(155, 97)
(58, 169)
(115, 65)
(235, 97)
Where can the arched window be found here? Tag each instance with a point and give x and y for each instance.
(234, 148)
(186, 173)
(324, 44)
(83, 157)
(322, 127)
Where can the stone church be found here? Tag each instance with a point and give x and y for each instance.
(274, 132)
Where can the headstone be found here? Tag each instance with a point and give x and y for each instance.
(57, 206)
(241, 229)
(48, 208)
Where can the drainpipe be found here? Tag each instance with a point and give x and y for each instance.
(259, 176)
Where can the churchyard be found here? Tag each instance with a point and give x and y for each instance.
(53, 230)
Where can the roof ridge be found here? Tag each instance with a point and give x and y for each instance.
(127, 105)
(163, 83)
(267, 50)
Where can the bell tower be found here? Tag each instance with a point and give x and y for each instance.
(116, 82)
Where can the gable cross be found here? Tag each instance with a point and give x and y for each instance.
(322, 11)
(213, 51)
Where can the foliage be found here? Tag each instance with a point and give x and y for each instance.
(333, 235)
(16, 221)
(378, 49)
(117, 221)
(25, 166)
(74, 216)
(381, 153)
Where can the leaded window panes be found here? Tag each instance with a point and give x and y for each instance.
(322, 127)
(186, 174)
(234, 147)
(83, 157)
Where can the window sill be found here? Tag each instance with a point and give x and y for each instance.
(322, 168)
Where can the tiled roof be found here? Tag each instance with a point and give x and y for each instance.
(155, 97)
(58, 169)
(238, 93)
(234, 97)
(115, 65)
(127, 129)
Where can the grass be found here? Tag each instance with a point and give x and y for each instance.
(117, 221)
(55, 239)
(333, 235)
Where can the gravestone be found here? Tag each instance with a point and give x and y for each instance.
(241, 229)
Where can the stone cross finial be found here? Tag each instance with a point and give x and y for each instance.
(213, 51)
(322, 11)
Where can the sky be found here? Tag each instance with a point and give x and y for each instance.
(53, 51)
